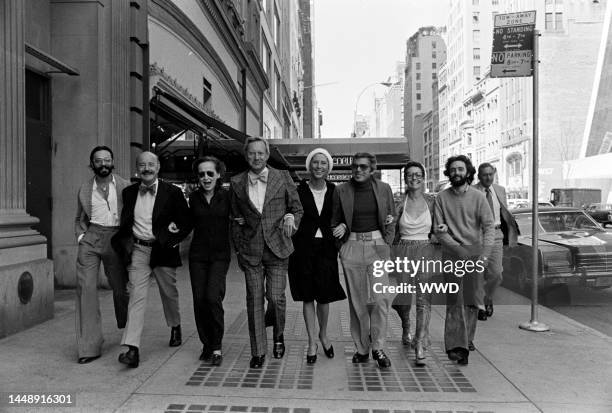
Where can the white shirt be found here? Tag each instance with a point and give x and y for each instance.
(143, 215)
(319, 198)
(496, 206)
(415, 228)
(257, 191)
(104, 211)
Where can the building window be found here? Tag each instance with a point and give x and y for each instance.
(558, 21)
(418, 96)
(418, 86)
(207, 92)
(548, 2)
(475, 17)
(433, 44)
(433, 55)
(434, 65)
(513, 164)
(265, 55)
(418, 65)
(548, 21)
(278, 90)
(418, 76)
(277, 28)
(477, 72)
(476, 36)
(476, 53)
(475, 2)
(434, 75)
(418, 106)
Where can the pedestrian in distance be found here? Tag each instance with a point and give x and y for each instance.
(464, 225)
(209, 254)
(154, 220)
(506, 233)
(415, 240)
(313, 266)
(266, 210)
(363, 220)
(99, 205)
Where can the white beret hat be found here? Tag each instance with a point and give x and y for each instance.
(315, 151)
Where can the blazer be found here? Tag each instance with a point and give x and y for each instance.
(429, 199)
(344, 198)
(311, 221)
(83, 215)
(509, 226)
(265, 228)
(170, 206)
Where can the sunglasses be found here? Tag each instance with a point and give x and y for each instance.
(210, 174)
(360, 166)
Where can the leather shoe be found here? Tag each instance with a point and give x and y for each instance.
(459, 354)
(279, 348)
(85, 360)
(206, 354)
(406, 337)
(329, 352)
(482, 315)
(217, 359)
(131, 357)
(175, 336)
(257, 361)
(360, 358)
(312, 359)
(381, 358)
(489, 307)
(419, 354)
(471, 346)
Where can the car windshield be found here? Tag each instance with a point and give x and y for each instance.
(557, 221)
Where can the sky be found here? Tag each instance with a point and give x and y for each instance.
(357, 43)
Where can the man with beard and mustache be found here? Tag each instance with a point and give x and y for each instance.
(154, 220)
(470, 235)
(99, 205)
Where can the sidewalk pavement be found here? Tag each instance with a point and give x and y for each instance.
(568, 369)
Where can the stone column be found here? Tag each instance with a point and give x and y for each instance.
(26, 276)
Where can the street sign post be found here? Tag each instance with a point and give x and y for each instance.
(512, 54)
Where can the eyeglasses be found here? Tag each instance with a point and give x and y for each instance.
(414, 176)
(360, 166)
(210, 174)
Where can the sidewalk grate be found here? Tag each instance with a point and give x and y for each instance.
(198, 408)
(404, 376)
(415, 411)
(294, 325)
(394, 325)
(290, 372)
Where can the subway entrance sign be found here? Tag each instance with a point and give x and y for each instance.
(512, 54)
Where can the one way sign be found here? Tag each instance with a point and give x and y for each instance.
(513, 44)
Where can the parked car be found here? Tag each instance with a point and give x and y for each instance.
(525, 203)
(573, 250)
(601, 213)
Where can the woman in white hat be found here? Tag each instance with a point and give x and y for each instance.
(313, 267)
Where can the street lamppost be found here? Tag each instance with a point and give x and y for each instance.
(386, 84)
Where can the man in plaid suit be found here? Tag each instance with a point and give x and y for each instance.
(266, 210)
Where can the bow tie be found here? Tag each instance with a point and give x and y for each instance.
(151, 189)
(263, 177)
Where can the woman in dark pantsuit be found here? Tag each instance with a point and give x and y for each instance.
(209, 254)
(313, 267)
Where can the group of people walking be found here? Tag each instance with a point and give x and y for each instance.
(279, 232)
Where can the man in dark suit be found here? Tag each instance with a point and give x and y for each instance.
(506, 233)
(266, 210)
(363, 216)
(99, 204)
(154, 221)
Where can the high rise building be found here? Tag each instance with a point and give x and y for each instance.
(310, 113)
(425, 52)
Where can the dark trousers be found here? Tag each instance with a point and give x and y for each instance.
(208, 287)
(461, 313)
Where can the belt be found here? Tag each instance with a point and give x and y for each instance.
(498, 226)
(365, 236)
(143, 242)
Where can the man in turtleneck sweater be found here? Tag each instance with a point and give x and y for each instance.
(363, 215)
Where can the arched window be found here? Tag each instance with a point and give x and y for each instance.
(514, 164)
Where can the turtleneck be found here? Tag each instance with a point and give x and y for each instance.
(365, 212)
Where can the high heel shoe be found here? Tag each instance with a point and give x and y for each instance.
(312, 359)
(419, 354)
(329, 352)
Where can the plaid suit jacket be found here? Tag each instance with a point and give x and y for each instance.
(83, 215)
(264, 228)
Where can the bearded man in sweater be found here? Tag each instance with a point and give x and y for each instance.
(470, 236)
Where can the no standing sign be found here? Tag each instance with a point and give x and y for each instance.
(513, 44)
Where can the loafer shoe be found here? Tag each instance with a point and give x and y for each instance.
(175, 336)
(85, 360)
(131, 358)
(279, 348)
(360, 358)
(489, 307)
(381, 358)
(257, 361)
(471, 346)
(482, 315)
(216, 359)
(206, 354)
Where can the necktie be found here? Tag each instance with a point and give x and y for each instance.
(263, 177)
(490, 200)
(151, 189)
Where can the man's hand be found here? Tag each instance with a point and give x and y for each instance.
(173, 228)
(441, 228)
(239, 220)
(339, 231)
(289, 225)
(389, 219)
